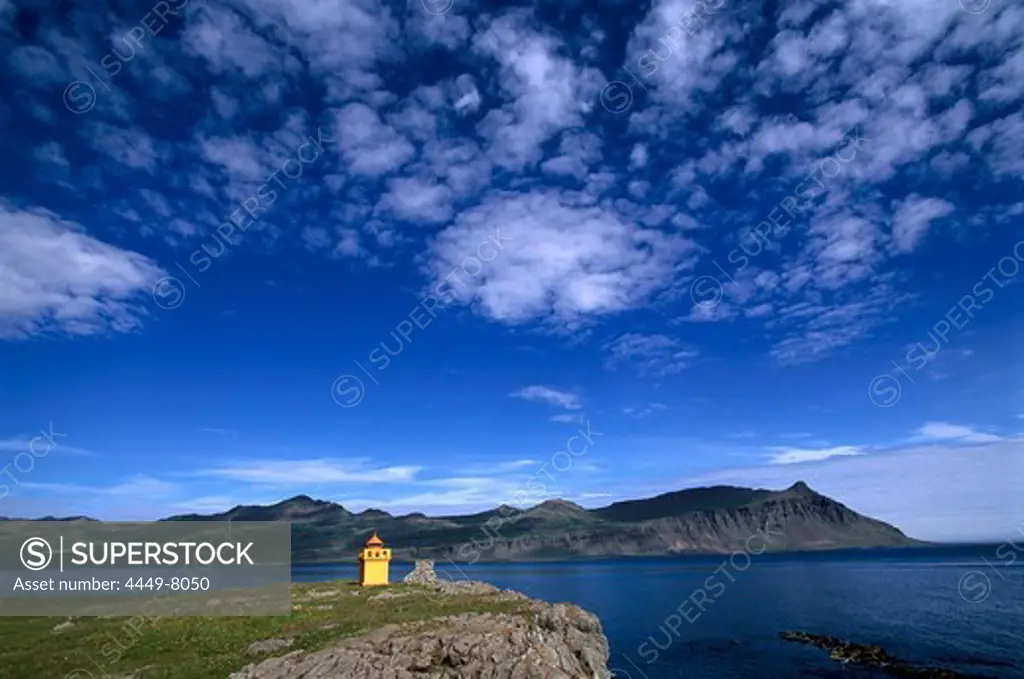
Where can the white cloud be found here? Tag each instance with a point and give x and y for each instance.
(299, 472)
(341, 44)
(873, 67)
(416, 120)
(561, 263)
(656, 355)
(913, 217)
(316, 238)
(799, 455)
(369, 146)
(489, 486)
(479, 496)
(483, 471)
(37, 66)
(515, 464)
(817, 327)
(465, 96)
(722, 311)
(51, 153)
(219, 35)
(131, 147)
(550, 91)
(349, 244)
(418, 201)
(459, 162)
(225, 105)
(638, 156)
(139, 486)
(578, 150)
(644, 411)
(55, 278)
(944, 431)
(239, 157)
(674, 61)
(452, 494)
(219, 431)
(40, 445)
(207, 504)
(556, 397)
(448, 29)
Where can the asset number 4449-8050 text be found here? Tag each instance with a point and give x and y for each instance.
(174, 584)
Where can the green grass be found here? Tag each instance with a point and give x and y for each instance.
(201, 648)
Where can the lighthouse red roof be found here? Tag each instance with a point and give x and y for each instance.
(374, 541)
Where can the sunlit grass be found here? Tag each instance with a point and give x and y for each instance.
(195, 648)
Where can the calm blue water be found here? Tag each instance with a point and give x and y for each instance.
(937, 606)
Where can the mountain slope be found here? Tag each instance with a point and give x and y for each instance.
(681, 502)
(719, 519)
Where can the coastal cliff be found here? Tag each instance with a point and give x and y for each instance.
(545, 642)
(537, 641)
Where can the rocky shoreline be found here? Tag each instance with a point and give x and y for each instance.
(873, 656)
(538, 641)
(546, 641)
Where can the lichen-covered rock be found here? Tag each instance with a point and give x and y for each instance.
(470, 587)
(387, 594)
(268, 646)
(553, 642)
(60, 627)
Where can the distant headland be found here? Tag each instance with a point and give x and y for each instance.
(707, 520)
(711, 520)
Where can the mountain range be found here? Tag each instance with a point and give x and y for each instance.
(712, 520)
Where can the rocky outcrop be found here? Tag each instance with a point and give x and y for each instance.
(547, 642)
(422, 573)
(873, 656)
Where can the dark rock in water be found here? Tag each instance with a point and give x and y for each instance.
(873, 656)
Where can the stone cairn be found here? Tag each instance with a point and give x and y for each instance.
(423, 573)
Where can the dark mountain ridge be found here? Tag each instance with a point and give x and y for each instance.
(712, 520)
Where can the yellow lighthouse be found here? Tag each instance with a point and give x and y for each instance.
(374, 560)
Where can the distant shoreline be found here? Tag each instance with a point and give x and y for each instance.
(679, 555)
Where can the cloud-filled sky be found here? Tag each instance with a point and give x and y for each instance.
(399, 254)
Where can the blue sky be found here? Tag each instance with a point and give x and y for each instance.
(399, 255)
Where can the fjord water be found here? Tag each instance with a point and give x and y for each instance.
(959, 607)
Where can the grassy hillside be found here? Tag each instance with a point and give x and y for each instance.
(211, 648)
